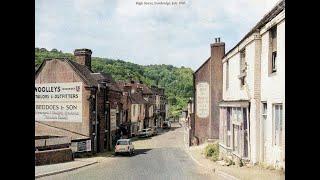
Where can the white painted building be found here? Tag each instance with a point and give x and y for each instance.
(252, 110)
(273, 92)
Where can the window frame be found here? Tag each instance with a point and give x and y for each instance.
(273, 50)
(274, 62)
(277, 132)
(227, 75)
(242, 67)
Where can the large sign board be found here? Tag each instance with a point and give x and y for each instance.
(81, 146)
(113, 119)
(202, 95)
(60, 102)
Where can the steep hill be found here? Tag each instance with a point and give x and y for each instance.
(176, 81)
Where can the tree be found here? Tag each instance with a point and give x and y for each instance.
(177, 82)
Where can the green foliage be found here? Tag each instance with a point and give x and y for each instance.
(42, 53)
(212, 151)
(177, 82)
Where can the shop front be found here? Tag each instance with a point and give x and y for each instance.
(234, 130)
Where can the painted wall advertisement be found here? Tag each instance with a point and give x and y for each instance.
(60, 102)
(113, 119)
(202, 95)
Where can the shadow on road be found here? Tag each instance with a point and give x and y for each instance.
(136, 138)
(136, 153)
(140, 151)
(173, 128)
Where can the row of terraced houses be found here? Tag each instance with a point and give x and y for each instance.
(239, 98)
(78, 110)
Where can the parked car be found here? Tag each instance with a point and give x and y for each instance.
(154, 131)
(145, 132)
(124, 146)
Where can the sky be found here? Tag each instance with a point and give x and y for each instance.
(179, 35)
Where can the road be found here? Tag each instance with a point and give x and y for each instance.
(159, 157)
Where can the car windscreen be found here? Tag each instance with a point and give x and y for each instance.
(122, 143)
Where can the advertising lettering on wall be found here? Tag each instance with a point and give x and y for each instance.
(60, 102)
(202, 95)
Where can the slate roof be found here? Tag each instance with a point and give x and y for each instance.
(278, 8)
(91, 78)
(137, 99)
(145, 89)
(83, 71)
(101, 76)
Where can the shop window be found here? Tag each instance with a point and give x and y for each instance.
(228, 127)
(236, 136)
(240, 131)
(277, 120)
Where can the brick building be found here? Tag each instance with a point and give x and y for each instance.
(160, 105)
(207, 94)
(75, 101)
(113, 106)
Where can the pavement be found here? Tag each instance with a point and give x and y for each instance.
(48, 170)
(159, 157)
(232, 172)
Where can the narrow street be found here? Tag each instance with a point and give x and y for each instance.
(159, 157)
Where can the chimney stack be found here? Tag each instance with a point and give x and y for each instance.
(83, 57)
(127, 88)
(217, 49)
(140, 90)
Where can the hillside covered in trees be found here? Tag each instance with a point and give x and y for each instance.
(177, 82)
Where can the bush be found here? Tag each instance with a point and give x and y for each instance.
(212, 151)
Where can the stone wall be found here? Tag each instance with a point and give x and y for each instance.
(53, 156)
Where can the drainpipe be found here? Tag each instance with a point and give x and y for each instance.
(96, 121)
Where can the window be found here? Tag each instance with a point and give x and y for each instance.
(245, 133)
(264, 111)
(133, 110)
(277, 120)
(273, 50)
(236, 137)
(140, 109)
(243, 67)
(274, 58)
(240, 133)
(227, 75)
(228, 126)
